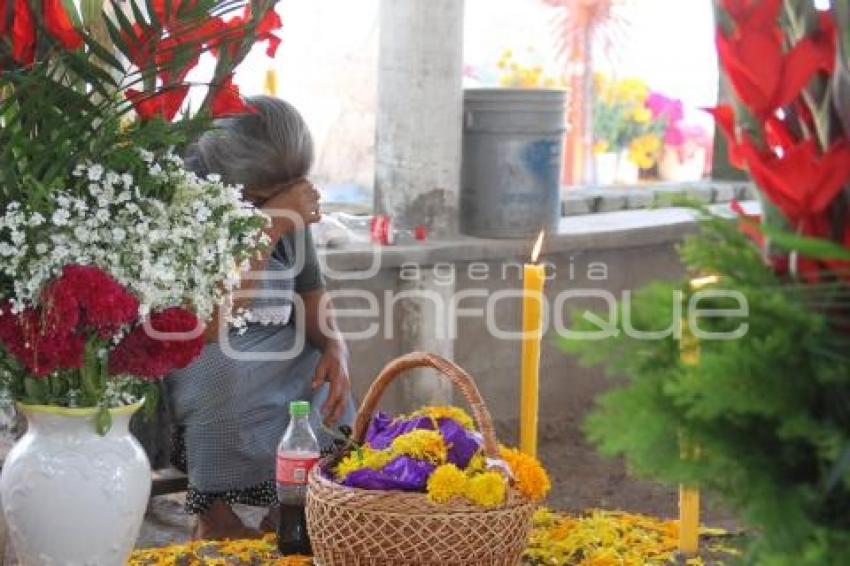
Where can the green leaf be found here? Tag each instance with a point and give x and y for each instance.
(37, 390)
(151, 393)
(815, 248)
(103, 421)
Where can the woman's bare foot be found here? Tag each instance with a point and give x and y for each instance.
(220, 522)
(270, 521)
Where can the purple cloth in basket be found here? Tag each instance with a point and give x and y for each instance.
(401, 474)
(462, 443)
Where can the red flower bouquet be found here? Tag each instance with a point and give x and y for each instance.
(787, 130)
(88, 332)
(109, 263)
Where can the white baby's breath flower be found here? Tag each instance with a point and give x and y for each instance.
(60, 217)
(95, 172)
(81, 233)
(165, 251)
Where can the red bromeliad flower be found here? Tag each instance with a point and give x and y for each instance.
(163, 104)
(227, 101)
(59, 25)
(763, 75)
(23, 33)
(802, 182)
(141, 46)
(270, 23)
(24, 30)
(171, 47)
(152, 357)
(724, 117)
(230, 33)
(169, 18)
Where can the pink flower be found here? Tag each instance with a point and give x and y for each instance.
(664, 107)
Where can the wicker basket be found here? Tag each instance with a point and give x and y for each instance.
(355, 527)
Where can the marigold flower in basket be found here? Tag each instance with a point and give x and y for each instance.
(423, 444)
(488, 489)
(436, 450)
(530, 477)
(446, 482)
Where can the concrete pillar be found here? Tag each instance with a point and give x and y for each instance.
(421, 318)
(419, 125)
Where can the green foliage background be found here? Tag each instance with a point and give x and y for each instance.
(770, 411)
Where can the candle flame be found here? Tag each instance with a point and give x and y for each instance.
(538, 247)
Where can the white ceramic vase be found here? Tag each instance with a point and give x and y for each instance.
(628, 173)
(606, 168)
(672, 168)
(70, 496)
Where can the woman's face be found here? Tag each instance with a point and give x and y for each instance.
(258, 196)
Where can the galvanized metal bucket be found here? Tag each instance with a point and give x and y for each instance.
(513, 146)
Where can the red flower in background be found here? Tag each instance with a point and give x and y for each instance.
(724, 117)
(753, 13)
(4, 17)
(166, 18)
(141, 46)
(763, 75)
(23, 33)
(163, 104)
(58, 24)
(802, 182)
(227, 101)
(152, 357)
(232, 32)
(270, 23)
(170, 48)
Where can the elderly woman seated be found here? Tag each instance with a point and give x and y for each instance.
(230, 406)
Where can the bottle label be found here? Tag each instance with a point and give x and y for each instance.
(294, 471)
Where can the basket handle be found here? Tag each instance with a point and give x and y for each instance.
(451, 371)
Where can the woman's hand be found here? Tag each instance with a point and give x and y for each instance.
(333, 369)
(300, 199)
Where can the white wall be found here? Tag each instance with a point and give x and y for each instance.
(328, 60)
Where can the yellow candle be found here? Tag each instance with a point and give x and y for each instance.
(270, 84)
(534, 277)
(689, 501)
(689, 497)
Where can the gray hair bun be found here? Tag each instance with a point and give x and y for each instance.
(260, 150)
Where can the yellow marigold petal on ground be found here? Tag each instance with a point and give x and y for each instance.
(488, 489)
(445, 482)
(424, 444)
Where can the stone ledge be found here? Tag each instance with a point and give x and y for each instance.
(588, 200)
(611, 230)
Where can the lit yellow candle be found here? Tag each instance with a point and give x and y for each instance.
(534, 277)
(270, 84)
(689, 497)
